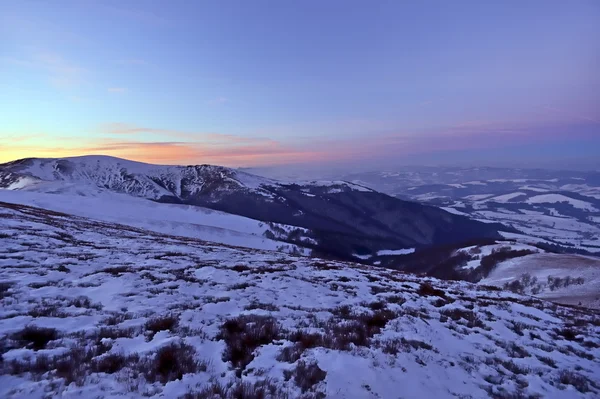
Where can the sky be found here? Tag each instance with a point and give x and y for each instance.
(262, 83)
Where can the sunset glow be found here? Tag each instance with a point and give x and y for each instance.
(194, 83)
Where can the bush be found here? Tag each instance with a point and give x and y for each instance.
(264, 306)
(36, 337)
(469, 316)
(4, 289)
(426, 289)
(162, 323)
(243, 334)
(260, 389)
(306, 375)
(112, 363)
(576, 380)
(171, 362)
(568, 334)
(395, 346)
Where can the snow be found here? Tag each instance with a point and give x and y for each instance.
(22, 183)
(506, 197)
(485, 250)
(453, 211)
(182, 220)
(476, 183)
(477, 197)
(544, 265)
(388, 252)
(534, 188)
(419, 352)
(553, 198)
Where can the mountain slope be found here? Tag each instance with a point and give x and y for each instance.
(557, 207)
(564, 278)
(344, 218)
(102, 310)
(173, 219)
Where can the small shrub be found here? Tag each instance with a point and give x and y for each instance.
(377, 305)
(547, 360)
(112, 363)
(343, 312)
(260, 389)
(264, 306)
(514, 367)
(426, 289)
(290, 354)
(243, 334)
(240, 286)
(36, 337)
(302, 341)
(162, 323)
(306, 375)
(578, 381)
(117, 270)
(518, 327)
(568, 334)
(515, 350)
(240, 268)
(83, 302)
(4, 289)
(117, 318)
(395, 346)
(171, 362)
(469, 316)
(397, 299)
(63, 269)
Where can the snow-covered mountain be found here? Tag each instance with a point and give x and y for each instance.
(333, 218)
(156, 182)
(556, 208)
(105, 310)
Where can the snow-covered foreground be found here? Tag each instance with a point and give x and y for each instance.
(92, 309)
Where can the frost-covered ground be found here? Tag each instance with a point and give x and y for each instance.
(93, 309)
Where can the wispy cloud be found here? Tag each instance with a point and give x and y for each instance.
(61, 72)
(118, 90)
(139, 14)
(218, 101)
(131, 61)
(204, 138)
(570, 114)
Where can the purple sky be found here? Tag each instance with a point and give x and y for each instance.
(246, 83)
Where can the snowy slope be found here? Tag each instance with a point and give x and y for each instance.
(129, 313)
(583, 273)
(554, 198)
(182, 220)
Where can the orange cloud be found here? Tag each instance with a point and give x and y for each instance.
(204, 137)
(168, 152)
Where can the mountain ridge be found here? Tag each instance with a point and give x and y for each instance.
(344, 218)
